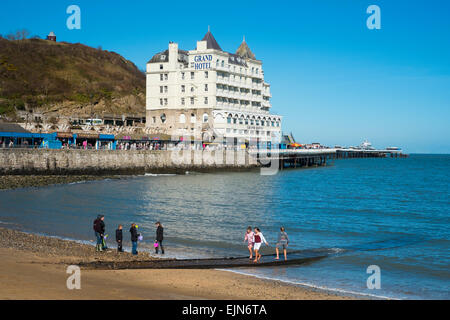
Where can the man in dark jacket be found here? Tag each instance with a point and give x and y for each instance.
(99, 229)
(119, 238)
(134, 238)
(159, 237)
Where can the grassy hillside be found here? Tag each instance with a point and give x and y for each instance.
(67, 78)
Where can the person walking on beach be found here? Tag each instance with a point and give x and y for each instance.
(249, 238)
(282, 242)
(134, 238)
(258, 239)
(159, 237)
(119, 238)
(99, 229)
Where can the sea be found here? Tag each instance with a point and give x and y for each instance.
(384, 218)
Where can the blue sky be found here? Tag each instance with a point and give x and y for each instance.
(334, 80)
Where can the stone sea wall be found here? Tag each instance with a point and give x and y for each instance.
(42, 161)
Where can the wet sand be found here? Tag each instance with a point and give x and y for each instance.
(34, 267)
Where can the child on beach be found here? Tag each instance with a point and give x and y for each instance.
(282, 242)
(258, 239)
(249, 238)
(119, 238)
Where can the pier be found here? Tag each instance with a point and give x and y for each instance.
(304, 158)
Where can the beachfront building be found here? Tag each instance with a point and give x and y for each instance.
(208, 93)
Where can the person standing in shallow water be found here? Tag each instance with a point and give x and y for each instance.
(159, 237)
(134, 239)
(249, 238)
(282, 242)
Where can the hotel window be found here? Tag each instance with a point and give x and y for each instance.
(193, 118)
(206, 100)
(161, 77)
(205, 118)
(253, 69)
(153, 119)
(192, 75)
(223, 63)
(182, 76)
(161, 67)
(166, 89)
(183, 88)
(246, 121)
(234, 121)
(206, 87)
(161, 101)
(273, 124)
(257, 122)
(257, 70)
(165, 101)
(262, 122)
(166, 76)
(182, 101)
(161, 89)
(252, 122)
(229, 119)
(182, 118)
(163, 118)
(217, 63)
(192, 89)
(228, 130)
(192, 100)
(241, 121)
(206, 75)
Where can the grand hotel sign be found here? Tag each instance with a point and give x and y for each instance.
(203, 62)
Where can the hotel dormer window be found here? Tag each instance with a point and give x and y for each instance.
(161, 67)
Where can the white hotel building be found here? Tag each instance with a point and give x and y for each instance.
(208, 93)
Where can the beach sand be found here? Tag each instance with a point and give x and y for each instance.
(34, 267)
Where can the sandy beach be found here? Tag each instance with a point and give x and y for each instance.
(34, 267)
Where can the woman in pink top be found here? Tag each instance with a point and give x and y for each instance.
(249, 238)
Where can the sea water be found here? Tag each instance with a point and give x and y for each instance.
(392, 213)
